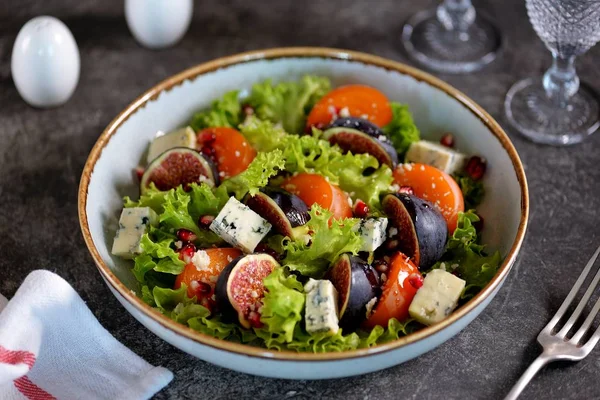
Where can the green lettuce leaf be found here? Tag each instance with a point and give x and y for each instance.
(157, 256)
(472, 190)
(358, 174)
(288, 103)
(204, 200)
(226, 111)
(282, 305)
(401, 130)
(321, 342)
(327, 242)
(152, 198)
(256, 176)
(176, 215)
(175, 304)
(467, 258)
(395, 330)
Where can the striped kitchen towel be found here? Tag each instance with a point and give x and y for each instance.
(52, 347)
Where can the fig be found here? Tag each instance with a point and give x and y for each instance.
(422, 230)
(240, 289)
(358, 135)
(357, 284)
(360, 124)
(281, 208)
(179, 166)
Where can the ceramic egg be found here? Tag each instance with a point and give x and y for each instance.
(45, 62)
(158, 23)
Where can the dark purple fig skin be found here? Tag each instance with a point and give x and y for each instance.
(235, 269)
(163, 164)
(422, 228)
(360, 124)
(282, 209)
(294, 207)
(356, 283)
(358, 142)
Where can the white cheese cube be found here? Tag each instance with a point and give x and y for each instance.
(133, 223)
(441, 157)
(184, 137)
(437, 298)
(239, 226)
(321, 314)
(372, 232)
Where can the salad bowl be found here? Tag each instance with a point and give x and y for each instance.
(437, 108)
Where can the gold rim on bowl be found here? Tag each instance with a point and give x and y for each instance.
(299, 52)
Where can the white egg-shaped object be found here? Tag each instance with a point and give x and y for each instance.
(158, 23)
(45, 62)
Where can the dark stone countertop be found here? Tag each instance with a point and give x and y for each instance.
(42, 153)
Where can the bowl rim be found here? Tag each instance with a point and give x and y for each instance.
(299, 52)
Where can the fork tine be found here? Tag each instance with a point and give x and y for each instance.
(567, 302)
(593, 340)
(586, 297)
(587, 323)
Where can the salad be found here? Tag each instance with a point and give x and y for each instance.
(301, 217)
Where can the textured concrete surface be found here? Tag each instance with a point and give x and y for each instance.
(42, 153)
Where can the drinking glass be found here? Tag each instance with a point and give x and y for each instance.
(451, 38)
(557, 109)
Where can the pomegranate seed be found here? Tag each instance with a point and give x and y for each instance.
(415, 280)
(361, 209)
(476, 167)
(185, 235)
(187, 252)
(447, 140)
(254, 319)
(139, 171)
(264, 248)
(478, 225)
(207, 151)
(203, 289)
(247, 109)
(406, 190)
(206, 137)
(205, 221)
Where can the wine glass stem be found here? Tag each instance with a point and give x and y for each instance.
(456, 15)
(561, 80)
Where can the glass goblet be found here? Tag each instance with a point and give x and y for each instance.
(451, 38)
(557, 109)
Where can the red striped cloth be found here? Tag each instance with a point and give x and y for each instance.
(52, 347)
(23, 384)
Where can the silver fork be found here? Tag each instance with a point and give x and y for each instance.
(557, 346)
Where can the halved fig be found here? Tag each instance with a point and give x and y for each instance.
(357, 283)
(361, 136)
(240, 289)
(422, 230)
(281, 208)
(179, 166)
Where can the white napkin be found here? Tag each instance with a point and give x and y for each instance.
(52, 346)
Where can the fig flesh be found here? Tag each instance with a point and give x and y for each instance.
(179, 166)
(240, 289)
